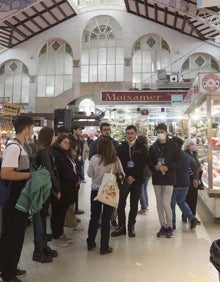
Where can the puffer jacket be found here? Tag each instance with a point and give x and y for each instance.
(35, 192)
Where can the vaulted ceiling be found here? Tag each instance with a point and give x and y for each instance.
(37, 16)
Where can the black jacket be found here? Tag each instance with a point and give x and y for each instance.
(68, 178)
(139, 157)
(172, 157)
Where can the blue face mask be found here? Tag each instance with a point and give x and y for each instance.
(161, 136)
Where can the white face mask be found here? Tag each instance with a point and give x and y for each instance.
(161, 136)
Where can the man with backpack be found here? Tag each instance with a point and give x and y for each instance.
(16, 170)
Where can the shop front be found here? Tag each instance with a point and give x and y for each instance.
(204, 126)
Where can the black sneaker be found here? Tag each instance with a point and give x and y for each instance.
(193, 223)
(169, 232)
(49, 251)
(184, 219)
(119, 231)
(114, 224)
(43, 258)
(21, 273)
(161, 232)
(107, 251)
(91, 246)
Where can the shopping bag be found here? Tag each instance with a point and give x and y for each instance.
(108, 192)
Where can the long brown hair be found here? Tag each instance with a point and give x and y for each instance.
(45, 138)
(106, 150)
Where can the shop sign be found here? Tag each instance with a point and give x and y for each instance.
(10, 109)
(136, 96)
(209, 83)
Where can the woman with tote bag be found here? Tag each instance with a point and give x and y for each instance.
(105, 161)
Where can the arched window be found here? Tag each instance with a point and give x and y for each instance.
(55, 68)
(150, 53)
(14, 82)
(102, 54)
(198, 62)
(87, 105)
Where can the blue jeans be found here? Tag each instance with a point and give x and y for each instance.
(39, 236)
(178, 197)
(144, 194)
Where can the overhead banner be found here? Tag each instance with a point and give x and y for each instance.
(9, 109)
(207, 3)
(137, 96)
(209, 83)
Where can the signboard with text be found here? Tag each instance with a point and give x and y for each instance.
(9, 109)
(137, 96)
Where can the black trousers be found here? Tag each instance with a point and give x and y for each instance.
(96, 209)
(59, 209)
(14, 223)
(191, 199)
(134, 189)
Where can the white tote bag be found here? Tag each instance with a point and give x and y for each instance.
(108, 192)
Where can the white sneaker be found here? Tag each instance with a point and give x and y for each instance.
(64, 238)
(78, 227)
(142, 211)
(59, 243)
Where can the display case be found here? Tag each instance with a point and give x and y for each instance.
(204, 126)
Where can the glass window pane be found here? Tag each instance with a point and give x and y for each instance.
(102, 73)
(84, 73)
(146, 63)
(136, 78)
(102, 56)
(93, 56)
(58, 85)
(111, 73)
(119, 55)
(67, 79)
(85, 57)
(120, 72)
(93, 73)
(41, 86)
(17, 89)
(59, 64)
(25, 89)
(136, 62)
(111, 56)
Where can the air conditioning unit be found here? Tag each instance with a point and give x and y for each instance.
(173, 78)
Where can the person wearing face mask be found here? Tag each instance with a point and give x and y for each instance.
(133, 156)
(192, 195)
(163, 159)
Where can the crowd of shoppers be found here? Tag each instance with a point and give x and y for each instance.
(175, 178)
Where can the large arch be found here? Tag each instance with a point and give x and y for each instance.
(102, 51)
(54, 75)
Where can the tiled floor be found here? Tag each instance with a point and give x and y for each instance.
(145, 258)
